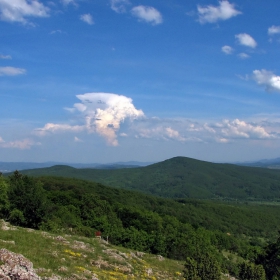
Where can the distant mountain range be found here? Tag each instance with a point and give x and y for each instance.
(265, 163)
(182, 177)
(6, 167)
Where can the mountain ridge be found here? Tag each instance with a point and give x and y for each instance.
(182, 177)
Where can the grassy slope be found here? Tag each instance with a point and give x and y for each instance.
(67, 256)
(183, 177)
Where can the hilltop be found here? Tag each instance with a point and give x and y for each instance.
(182, 177)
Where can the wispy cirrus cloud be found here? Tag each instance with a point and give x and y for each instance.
(11, 71)
(243, 55)
(246, 40)
(2, 56)
(147, 14)
(268, 79)
(212, 14)
(68, 2)
(87, 18)
(20, 10)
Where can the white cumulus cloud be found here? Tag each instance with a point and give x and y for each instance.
(19, 10)
(211, 14)
(87, 18)
(105, 112)
(119, 6)
(268, 79)
(241, 129)
(101, 113)
(147, 14)
(246, 40)
(11, 71)
(227, 50)
(274, 30)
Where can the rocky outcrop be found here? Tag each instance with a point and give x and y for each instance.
(16, 267)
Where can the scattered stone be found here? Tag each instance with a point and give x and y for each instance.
(140, 254)
(123, 269)
(100, 263)
(149, 271)
(53, 277)
(123, 254)
(134, 256)
(61, 239)
(54, 253)
(229, 277)
(160, 258)
(81, 245)
(114, 254)
(8, 242)
(46, 235)
(6, 226)
(42, 270)
(63, 268)
(16, 267)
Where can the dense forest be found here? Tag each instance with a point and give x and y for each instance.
(208, 235)
(182, 177)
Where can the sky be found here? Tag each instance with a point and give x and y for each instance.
(102, 81)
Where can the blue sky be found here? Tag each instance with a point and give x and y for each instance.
(120, 80)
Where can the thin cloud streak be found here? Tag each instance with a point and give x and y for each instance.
(11, 71)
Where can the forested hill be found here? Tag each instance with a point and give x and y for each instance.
(182, 177)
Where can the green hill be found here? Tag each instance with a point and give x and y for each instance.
(182, 177)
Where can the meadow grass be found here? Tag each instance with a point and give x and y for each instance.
(81, 257)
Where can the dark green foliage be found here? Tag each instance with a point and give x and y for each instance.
(234, 218)
(16, 217)
(270, 260)
(28, 196)
(182, 177)
(250, 271)
(4, 200)
(190, 271)
(202, 266)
